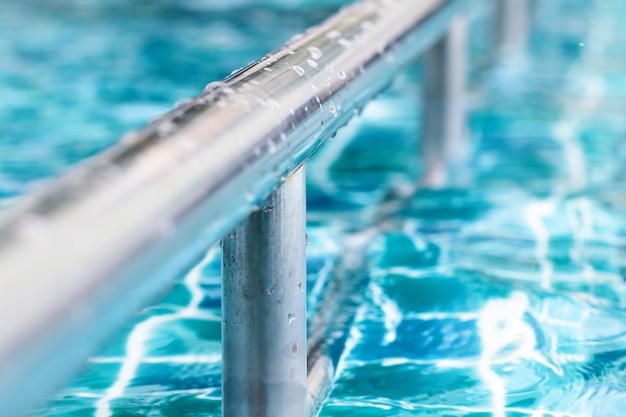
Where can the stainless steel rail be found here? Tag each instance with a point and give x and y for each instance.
(80, 257)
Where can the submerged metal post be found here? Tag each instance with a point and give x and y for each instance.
(264, 308)
(512, 22)
(444, 142)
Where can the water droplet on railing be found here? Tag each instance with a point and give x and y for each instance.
(333, 34)
(315, 52)
(267, 69)
(203, 99)
(212, 86)
(341, 74)
(291, 318)
(332, 109)
(311, 63)
(345, 43)
(165, 128)
(298, 70)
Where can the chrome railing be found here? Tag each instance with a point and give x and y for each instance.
(80, 257)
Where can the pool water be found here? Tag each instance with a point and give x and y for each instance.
(77, 75)
(501, 296)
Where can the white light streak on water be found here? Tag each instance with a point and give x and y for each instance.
(535, 214)
(177, 359)
(523, 411)
(418, 241)
(392, 314)
(135, 350)
(506, 338)
(565, 133)
(352, 341)
(580, 214)
(158, 393)
(136, 343)
(460, 316)
(495, 319)
(330, 248)
(438, 270)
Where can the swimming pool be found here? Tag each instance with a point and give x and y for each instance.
(504, 297)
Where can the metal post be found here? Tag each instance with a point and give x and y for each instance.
(444, 141)
(264, 308)
(512, 20)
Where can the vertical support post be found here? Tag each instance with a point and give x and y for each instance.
(444, 141)
(512, 22)
(264, 308)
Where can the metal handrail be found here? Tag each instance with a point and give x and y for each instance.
(84, 250)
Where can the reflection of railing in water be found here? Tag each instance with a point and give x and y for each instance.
(78, 253)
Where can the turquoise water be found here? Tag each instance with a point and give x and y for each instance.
(76, 75)
(504, 296)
